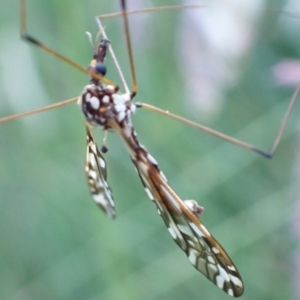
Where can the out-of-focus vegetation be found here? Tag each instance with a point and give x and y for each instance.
(54, 241)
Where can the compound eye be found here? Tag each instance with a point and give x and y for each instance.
(101, 68)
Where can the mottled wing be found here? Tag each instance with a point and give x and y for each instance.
(203, 251)
(96, 174)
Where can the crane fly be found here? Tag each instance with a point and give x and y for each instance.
(103, 106)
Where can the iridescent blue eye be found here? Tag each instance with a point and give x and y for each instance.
(101, 68)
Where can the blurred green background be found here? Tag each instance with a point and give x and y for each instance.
(54, 241)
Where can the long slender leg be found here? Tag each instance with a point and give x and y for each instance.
(38, 110)
(206, 129)
(227, 138)
(129, 48)
(151, 10)
(35, 42)
(237, 142)
(32, 40)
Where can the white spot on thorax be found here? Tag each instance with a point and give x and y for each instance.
(105, 99)
(120, 107)
(126, 97)
(94, 101)
(133, 108)
(118, 99)
(110, 88)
